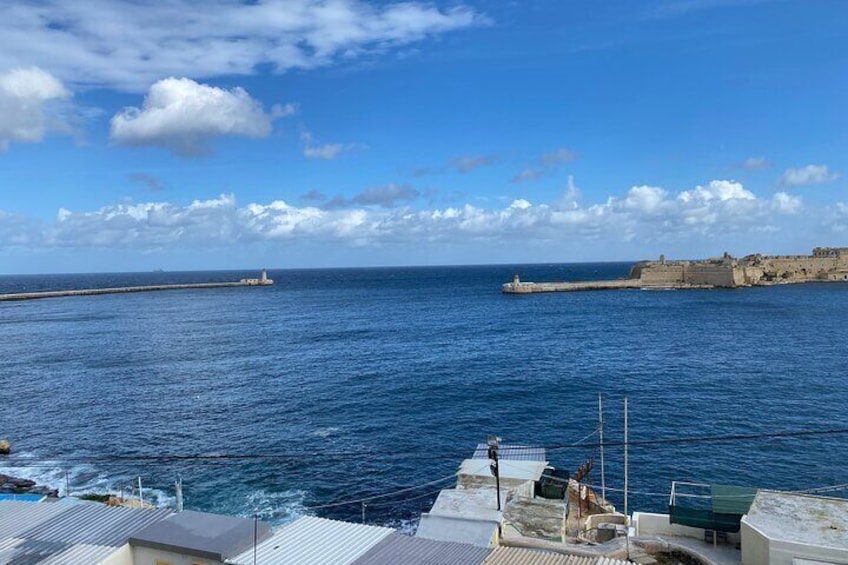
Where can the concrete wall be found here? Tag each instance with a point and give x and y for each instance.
(649, 524)
(148, 556)
(123, 556)
(757, 549)
(755, 546)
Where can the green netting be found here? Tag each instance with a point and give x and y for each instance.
(704, 519)
(728, 505)
(732, 500)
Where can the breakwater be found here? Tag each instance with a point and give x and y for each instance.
(263, 280)
(116, 290)
(519, 287)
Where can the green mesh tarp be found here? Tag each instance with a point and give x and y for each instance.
(732, 500)
(728, 505)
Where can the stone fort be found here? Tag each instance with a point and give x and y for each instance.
(825, 264)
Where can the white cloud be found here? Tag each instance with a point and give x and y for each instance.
(383, 216)
(755, 163)
(718, 190)
(325, 151)
(811, 174)
(183, 116)
(129, 45)
(26, 96)
(530, 174)
(787, 203)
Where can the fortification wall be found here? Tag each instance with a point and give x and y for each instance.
(804, 268)
(660, 274)
(720, 275)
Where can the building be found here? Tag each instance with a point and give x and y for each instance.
(58, 533)
(784, 528)
(196, 538)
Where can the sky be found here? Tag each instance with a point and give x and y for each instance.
(224, 134)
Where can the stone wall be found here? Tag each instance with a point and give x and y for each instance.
(727, 272)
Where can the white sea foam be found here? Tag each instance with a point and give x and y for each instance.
(324, 433)
(81, 478)
(278, 508)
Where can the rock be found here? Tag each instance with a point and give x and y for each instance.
(5, 447)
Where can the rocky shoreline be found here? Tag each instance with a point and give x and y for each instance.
(16, 485)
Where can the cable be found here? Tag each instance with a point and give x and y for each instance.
(405, 500)
(378, 496)
(299, 455)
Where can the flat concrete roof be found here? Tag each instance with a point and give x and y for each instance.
(800, 518)
(200, 534)
(457, 529)
(473, 504)
(508, 469)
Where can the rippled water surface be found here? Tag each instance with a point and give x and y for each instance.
(363, 381)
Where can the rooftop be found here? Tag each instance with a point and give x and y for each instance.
(529, 470)
(800, 518)
(398, 548)
(68, 533)
(315, 540)
(210, 536)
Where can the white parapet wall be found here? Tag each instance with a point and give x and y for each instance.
(649, 524)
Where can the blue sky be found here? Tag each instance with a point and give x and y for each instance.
(307, 133)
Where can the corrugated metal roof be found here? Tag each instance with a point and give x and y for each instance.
(15, 550)
(311, 540)
(522, 556)
(94, 524)
(65, 534)
(397, 548)
(512, 452)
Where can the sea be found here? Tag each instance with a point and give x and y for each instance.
(356, 393)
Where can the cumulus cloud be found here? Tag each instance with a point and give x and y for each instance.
(129, 45)
(811, 174)
(27, 110)
(183, 116)
(384, 215)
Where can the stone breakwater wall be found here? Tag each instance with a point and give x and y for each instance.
(118, 290)
(824, 264)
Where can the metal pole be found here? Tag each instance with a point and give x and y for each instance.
(601, 437)
(363, 512)
(625, 457)
(498, 480)
(140, 495)
(67, 483)
(255, 535)
(626, 514)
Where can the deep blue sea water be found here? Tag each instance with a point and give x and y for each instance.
(366, 381)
